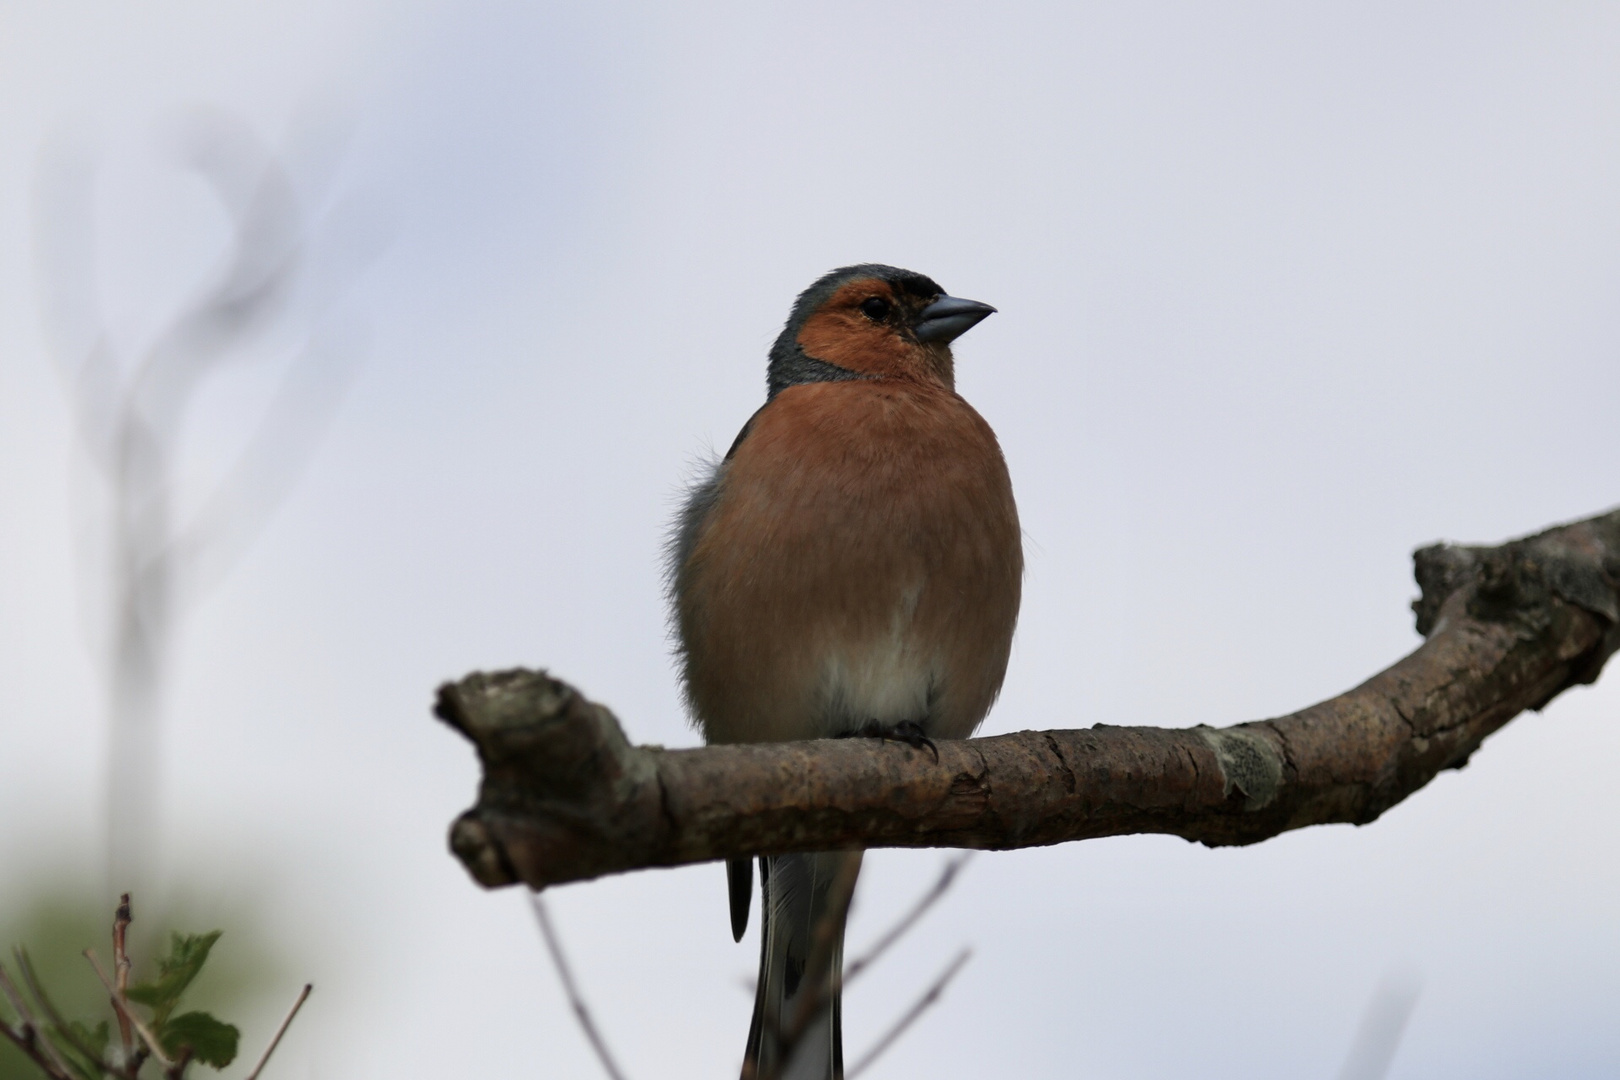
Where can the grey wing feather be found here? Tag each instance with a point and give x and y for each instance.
(700, 499)
(701, 496)
(699, 503)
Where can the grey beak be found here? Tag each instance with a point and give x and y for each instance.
(948, 318)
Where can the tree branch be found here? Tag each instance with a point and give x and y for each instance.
(565, 797)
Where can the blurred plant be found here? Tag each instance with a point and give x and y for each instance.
(131, 415)
(64, 1049)
(54, 906)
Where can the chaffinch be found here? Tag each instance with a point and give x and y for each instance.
(852, 566)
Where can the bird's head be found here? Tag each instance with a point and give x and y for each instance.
(873, 320)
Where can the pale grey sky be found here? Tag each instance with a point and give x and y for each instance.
(1285, 291)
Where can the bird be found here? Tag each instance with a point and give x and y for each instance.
(852, 566)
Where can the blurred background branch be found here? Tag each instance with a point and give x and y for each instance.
(166, 512)
(1383, 1023)
(284, 270)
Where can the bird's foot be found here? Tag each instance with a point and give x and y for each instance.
(906, 731)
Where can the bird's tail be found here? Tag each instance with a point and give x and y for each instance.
(796, 1032)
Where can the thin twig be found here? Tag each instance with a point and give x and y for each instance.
(123, 1010)
(122, 917)
(18, 1006)
(946, 878)
(929, 997)
(29, 1042)
(32, 1035)
(567, 976)
(275, 1040)
(25, 964)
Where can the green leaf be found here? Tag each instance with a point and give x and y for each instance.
(187, 954)
(211, 1041)
(96, 1040)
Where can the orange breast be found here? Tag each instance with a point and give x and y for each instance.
(860, 562)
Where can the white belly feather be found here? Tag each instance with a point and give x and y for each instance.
(888, 677)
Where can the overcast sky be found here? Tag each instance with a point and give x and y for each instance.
(1285, 292)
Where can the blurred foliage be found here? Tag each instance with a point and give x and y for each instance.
(57, 919)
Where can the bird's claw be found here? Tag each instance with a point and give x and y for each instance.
(906, 731)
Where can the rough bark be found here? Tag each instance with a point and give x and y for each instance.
(565, 796)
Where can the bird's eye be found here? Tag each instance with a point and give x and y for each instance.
(876, 308)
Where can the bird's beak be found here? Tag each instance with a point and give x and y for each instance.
(948, 318)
